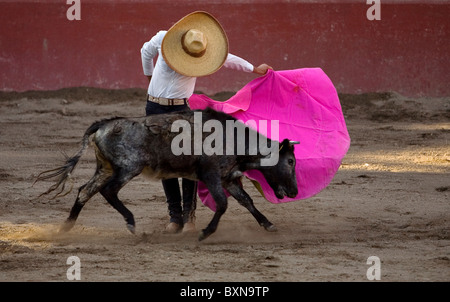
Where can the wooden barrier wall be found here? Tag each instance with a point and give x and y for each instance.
(406, 51)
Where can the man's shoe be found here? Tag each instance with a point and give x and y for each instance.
(172, 228)
(189, 227)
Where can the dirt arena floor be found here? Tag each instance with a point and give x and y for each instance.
(389, 199)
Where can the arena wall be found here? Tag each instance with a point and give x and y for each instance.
(406, 51)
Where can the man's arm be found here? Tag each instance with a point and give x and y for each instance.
(148, 51)
(237, 63)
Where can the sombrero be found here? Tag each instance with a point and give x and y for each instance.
(196, 45)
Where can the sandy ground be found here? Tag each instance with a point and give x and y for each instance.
(390, 199)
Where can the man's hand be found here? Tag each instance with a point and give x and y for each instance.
(262, 69)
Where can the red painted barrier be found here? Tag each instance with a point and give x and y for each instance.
(407, 51)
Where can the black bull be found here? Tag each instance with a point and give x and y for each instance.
(127, 147)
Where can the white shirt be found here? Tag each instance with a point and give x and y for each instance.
(168, 83)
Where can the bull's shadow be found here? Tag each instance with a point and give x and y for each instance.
(172, 145)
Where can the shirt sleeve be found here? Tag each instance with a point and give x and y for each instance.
(149, 50)
(237, 63)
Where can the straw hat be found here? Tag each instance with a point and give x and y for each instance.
(196, 45)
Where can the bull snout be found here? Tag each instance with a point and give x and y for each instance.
(293, 193)
(289, 192)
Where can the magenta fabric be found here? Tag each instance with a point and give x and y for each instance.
(308, 109)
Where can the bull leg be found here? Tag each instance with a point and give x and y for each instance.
(215, 188)
(236, 190)
(110, 191)
(84, 194)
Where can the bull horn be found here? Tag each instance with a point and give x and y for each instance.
(294, 142)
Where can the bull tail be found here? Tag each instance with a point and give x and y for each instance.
(63, 172)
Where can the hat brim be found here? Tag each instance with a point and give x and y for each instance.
(216, 49)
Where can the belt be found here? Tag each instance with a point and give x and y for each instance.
(167, 102)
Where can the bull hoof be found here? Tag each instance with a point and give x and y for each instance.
(66, 226)
(131, 228)
(203, 235)
(271, 228)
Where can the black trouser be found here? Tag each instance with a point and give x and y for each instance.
(178, 212)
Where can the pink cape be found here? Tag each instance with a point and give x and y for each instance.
(308, 109)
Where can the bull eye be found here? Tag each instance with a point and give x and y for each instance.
(290, 162)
